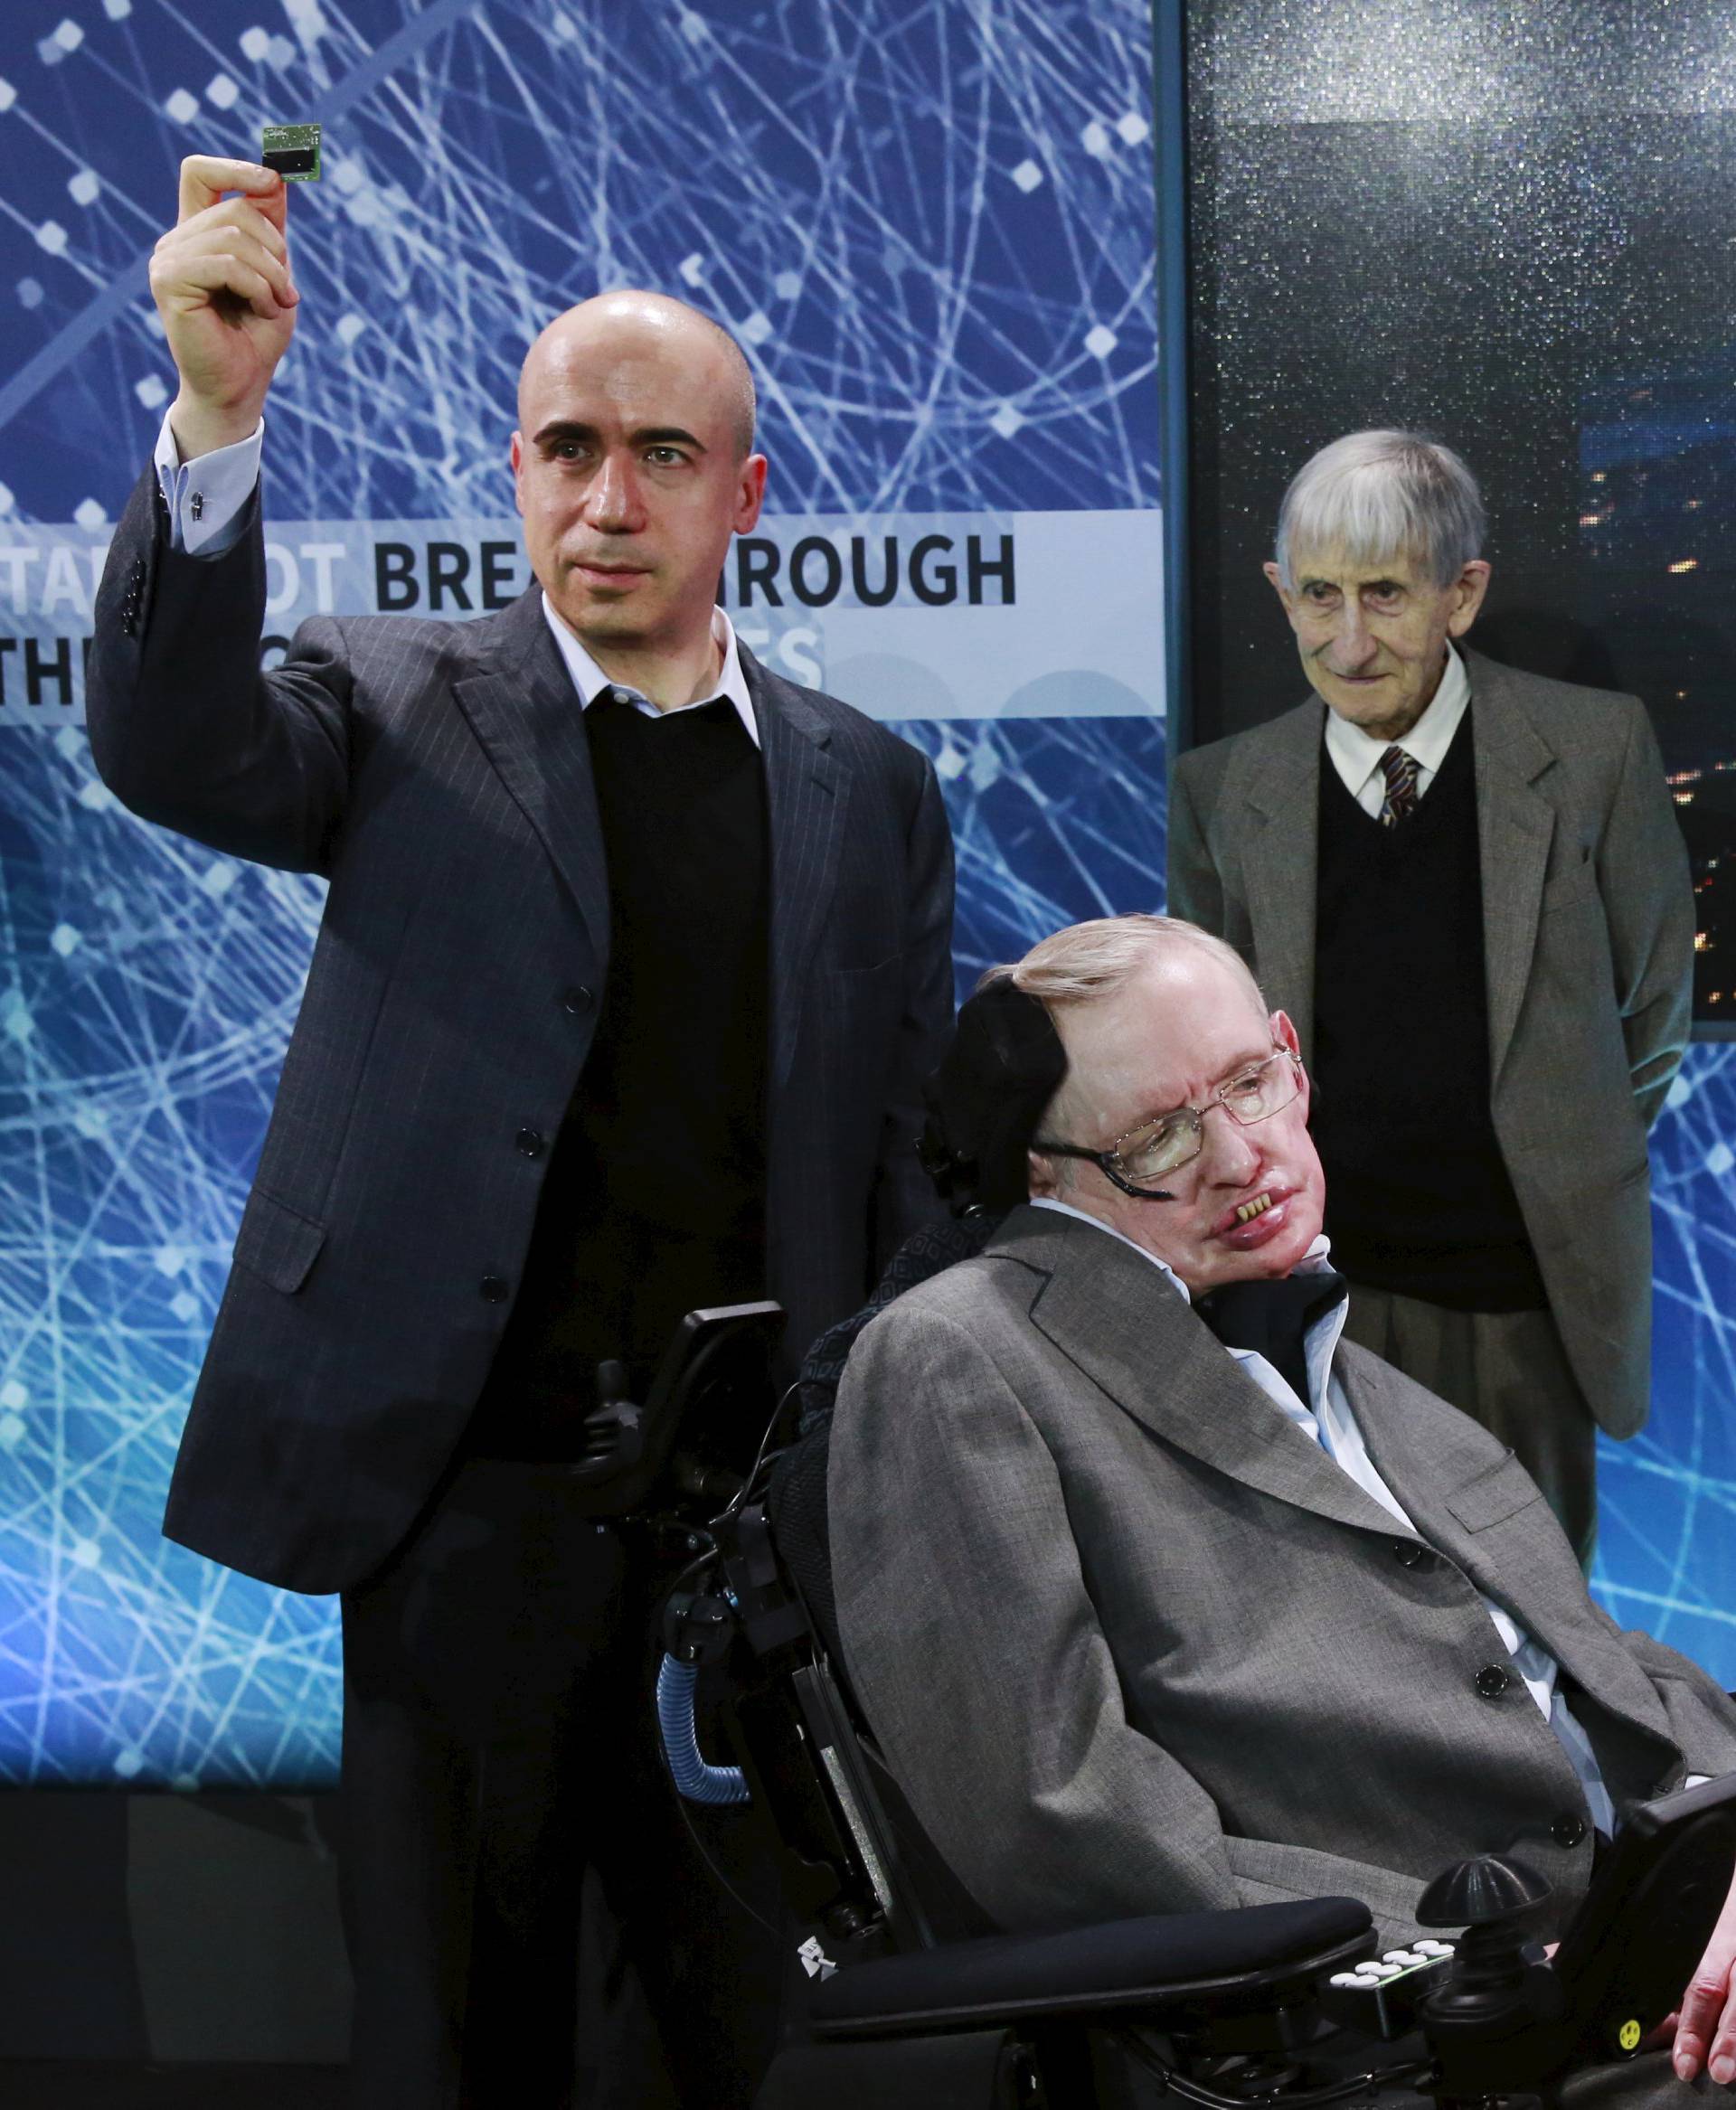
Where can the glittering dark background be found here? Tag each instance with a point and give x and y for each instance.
(1512, 225)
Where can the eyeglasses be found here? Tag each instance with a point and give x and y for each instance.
(1158, 1148)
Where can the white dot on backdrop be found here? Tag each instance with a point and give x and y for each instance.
(82, 188)
(1100, 342)
(151, 392)
(221, 92)
(255, 43)
(90, 514)
(1028, 175)
(183, 106)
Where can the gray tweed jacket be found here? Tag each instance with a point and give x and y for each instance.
(1133, 1642)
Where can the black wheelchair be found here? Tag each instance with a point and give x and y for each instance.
(914, 2001)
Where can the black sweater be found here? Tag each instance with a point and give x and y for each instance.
(1417, 1197)
(654, 1197)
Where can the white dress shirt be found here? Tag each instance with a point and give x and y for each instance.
(207, 498)
(1356, 755)
(1331, 1424)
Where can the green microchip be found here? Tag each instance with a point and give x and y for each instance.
(293, 150)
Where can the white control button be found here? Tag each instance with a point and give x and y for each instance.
(1433, 1948)
(1343, 1978)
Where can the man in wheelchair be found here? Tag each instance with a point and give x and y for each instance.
(1157, 1596)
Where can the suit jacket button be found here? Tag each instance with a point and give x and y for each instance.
(1568, 1829)
(531, 1142)
(1410, 1552)
(492, 1290)
(577, 1000)
(1492, 1681)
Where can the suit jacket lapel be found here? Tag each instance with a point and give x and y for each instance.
(1111, 1313)
(523, 709)
(1282, 794)
(807, 796)
(1514, 825)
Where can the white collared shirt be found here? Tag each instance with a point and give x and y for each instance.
(207, 500)
(1356, 755)
(1328, 1421)
(590, 680)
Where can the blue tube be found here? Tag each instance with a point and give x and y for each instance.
(695, 1780)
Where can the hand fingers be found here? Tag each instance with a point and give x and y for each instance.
(204, 178)
(1705, 2034)
(244, 212)
(242, 242)
(225, 274)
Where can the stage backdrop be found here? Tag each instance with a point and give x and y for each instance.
(931, 225)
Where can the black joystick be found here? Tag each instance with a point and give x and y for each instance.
(1499, 1989)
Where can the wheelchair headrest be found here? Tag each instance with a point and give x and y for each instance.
(1003, 1066)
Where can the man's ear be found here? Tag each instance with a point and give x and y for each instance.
(517, 458)
(1283, 592)
(1472, 584)
(1284, 1033)
(750, 495)
(1040, 1173)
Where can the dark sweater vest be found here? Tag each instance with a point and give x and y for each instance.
(655, 1197)
(1417, 1197)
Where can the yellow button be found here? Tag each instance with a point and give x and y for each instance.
(1629, 2036)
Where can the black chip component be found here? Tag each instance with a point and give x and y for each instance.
(293, 151)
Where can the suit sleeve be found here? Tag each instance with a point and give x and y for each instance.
(1195, 885)
(185, 729)
(1648, 903)
(1701, 1714)
(904, 1197)
(975, 1650)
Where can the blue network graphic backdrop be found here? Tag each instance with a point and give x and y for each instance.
(930, 222)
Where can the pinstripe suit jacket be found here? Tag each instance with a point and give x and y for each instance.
(1587, 939)
(1133, 1642)
(438, 776)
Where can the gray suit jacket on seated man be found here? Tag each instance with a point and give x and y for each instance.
(1141, 1629)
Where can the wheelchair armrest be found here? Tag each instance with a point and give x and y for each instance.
(1173, 1968)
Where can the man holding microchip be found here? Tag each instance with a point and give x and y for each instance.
(633, 957)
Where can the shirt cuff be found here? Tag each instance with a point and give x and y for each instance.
(207, 498)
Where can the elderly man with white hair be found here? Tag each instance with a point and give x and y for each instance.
(1466, 885)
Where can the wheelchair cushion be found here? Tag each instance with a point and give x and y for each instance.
(924, 1253)
(796, 1491)
(1167, 1959)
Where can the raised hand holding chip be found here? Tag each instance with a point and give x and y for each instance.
(221, 281)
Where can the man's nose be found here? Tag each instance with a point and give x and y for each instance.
(1230, 1156)
(1353, 643)
(612, 501)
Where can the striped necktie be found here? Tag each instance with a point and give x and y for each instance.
(1399, 770)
